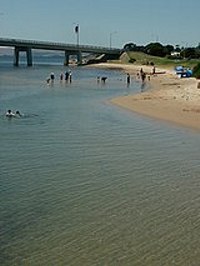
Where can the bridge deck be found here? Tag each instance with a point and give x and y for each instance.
(44, 45)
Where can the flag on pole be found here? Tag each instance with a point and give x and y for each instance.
(76, 28)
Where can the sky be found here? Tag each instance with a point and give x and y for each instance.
(102, 22)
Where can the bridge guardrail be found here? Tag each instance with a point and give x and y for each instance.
(14, 42)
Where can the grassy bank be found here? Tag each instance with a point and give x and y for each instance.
(139, 58)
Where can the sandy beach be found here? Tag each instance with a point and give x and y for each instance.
(168, 97)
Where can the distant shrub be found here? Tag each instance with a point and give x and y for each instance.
(174, 57)
(149, 63)
(196, 71)
(132, 60)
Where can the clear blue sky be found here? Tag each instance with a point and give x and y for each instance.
(167, 21)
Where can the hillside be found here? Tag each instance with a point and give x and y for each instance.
(139, 58)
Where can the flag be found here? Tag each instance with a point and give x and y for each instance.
(76, 28)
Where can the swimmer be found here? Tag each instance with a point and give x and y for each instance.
(17, 113)
(9, 113)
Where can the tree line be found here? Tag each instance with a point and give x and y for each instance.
(169, 51)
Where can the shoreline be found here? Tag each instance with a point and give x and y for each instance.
(170, 98)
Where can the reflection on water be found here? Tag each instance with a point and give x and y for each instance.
(86, 183)
(144, 87)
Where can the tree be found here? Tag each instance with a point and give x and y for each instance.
(130, 47)
(156, 49)
(196, 71)
(168, 49)
(133, 47)
(188, 53)
(177, 49)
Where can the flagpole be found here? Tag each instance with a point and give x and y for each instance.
(79, 55)
(77, 34)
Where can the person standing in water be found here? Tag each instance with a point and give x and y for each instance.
(66, 76)
(143, 76)
(61, 76)
(52, 76)
(128, 79)
(70, 76)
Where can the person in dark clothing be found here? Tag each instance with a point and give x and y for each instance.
(128, 79)
(66, 76)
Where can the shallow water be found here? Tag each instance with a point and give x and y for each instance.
(87, 183)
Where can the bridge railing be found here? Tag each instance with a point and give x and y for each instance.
(14, 42)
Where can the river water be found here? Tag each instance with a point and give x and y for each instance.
(84, 182)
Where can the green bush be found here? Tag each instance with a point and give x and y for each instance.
(196, 71)
(132, 60)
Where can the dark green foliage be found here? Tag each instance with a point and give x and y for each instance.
(132, 60)
(188, 53)
(133, 47)
(156, 49)
(159, 50)
(129, 47)
(168, 49)
(196, 71)
(192, 53)
(174, 57)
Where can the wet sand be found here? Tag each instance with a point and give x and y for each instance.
(169, 98)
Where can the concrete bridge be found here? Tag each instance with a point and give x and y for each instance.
(69, 49)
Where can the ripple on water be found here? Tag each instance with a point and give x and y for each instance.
(86, 183)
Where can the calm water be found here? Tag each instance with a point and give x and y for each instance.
(87, 183)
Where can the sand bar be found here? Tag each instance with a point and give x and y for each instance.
(170, 98)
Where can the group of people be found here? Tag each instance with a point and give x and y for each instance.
(67, 76)
(140, 75)
(103, 79)
(11, 114)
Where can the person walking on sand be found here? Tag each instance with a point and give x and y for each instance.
(154, 70)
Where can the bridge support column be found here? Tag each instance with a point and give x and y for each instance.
(79, 58)
(28, 55)
(66, 62)
(16, 57)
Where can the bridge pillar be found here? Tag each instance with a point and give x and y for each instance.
(16, 57)
(66, 62)
(79, 58)
(28, 55)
